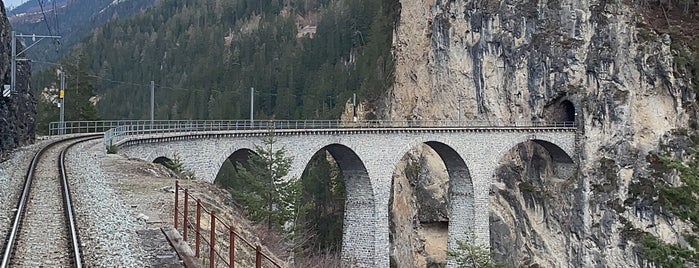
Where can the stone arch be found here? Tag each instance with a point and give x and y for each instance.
(560, 152)
(459, 208)
(524, 177)
(359, 220)
(461, 195)
(240, 155)
(161, 160)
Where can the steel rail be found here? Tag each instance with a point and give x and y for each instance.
(72, 226)
(22, 203)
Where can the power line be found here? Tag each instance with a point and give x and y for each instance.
(41, 5)
(146, 85)
(46, 62)
(55, 17)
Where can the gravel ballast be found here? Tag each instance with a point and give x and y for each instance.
(120, 205)
(12, 172)
(113, 231)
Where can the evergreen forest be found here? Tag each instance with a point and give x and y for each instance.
(206, 55)
(304, 60)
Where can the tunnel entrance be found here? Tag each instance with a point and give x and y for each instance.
(568, 110)
(561, 112)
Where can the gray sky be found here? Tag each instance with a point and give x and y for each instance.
(9, 3)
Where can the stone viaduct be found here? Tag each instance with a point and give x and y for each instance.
(367, 158)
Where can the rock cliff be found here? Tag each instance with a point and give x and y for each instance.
(17, 112)
(591, 61)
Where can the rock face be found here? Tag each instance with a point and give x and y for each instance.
(419, 218)
(554, 60)
(17, 112)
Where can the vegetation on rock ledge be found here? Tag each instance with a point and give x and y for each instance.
(679, 199)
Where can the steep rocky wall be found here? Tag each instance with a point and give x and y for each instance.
(17, 112)
(520, 60)
(418, 210)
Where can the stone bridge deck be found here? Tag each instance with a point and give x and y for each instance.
(367, 157)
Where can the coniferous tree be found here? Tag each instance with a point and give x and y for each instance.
(79, 90)
(263, 190)
(322, 210)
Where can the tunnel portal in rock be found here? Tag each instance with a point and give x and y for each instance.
(568, 111)
(563, 111)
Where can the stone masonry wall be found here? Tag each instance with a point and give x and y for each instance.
(366, 240)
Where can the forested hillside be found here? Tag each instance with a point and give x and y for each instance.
(72, 20)
(204, 57)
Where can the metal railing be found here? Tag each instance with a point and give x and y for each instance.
(116, 131)
(222, 245)
(73, 127)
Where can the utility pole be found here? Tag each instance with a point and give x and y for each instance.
(152, 102)
(14, 63)
(252, 101)
(13, 75)
(354, 107)
(61, 96)
(459, 117)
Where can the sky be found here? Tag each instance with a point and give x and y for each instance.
(13, 3)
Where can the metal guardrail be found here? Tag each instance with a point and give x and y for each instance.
(73, 127)
(222, 240)
(118, 130)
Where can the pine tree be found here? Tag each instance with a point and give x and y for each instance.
(262, 190)
(471, 255)
(323, 193)
(79, 89)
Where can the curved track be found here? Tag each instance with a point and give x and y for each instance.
(44, 231)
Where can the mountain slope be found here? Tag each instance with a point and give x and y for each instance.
(71, 19)
(304, 59)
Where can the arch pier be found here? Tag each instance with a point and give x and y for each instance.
(367, 160)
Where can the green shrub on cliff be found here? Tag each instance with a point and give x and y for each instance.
(471, 255)
(682, 200)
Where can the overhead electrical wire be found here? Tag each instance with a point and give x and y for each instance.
(41, 5)
(55, 18)
(147, 85)
(257, 92)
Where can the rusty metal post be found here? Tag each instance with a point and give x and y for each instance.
(177, 189)
(258, 257)
(186, 210)
(231, 248)
(212, 240)
(196, 243)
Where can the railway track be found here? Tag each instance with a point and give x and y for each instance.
(43, 231)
